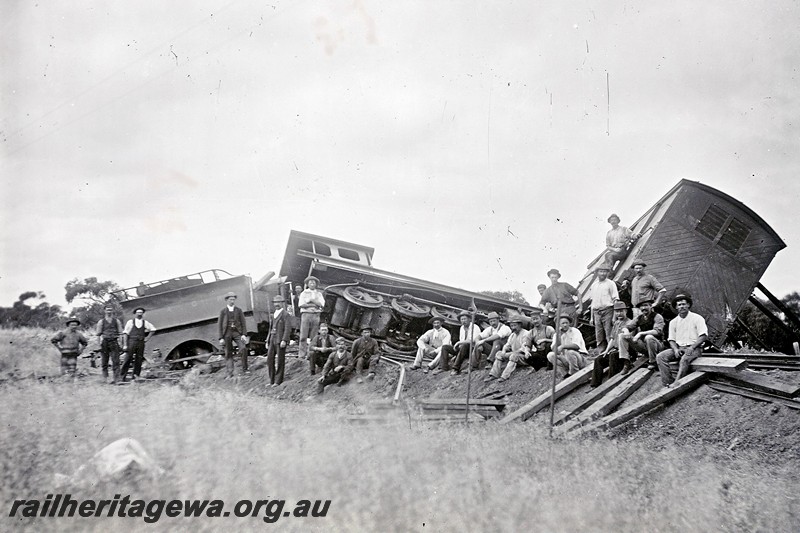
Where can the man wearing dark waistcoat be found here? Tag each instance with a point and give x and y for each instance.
(136, 333)
(277, 341)
(109, 330)
(320, 348)
(366, 354)
(338, 368)
(232, 328)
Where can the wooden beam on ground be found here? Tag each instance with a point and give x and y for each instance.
(597, 393)
(762, 383)
(610, 401)
(543, 400)
(678, 388)
(755, 395)
(757, 355)
(463, 401)
(716, 364)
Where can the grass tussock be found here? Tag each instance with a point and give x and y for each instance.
(399, 476)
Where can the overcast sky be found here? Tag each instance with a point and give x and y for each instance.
(472, 143)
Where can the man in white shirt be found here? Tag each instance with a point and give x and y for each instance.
(516, 350)
(468, 334)
(571, 353)
(311, 302)
(431, 342)
(604, 293)
(136, 333)
(687, 334)
(617, 240)
(492, 339)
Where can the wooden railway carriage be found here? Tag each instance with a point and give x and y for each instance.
(699, 240)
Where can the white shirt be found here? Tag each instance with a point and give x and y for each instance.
(434, 339)
(572, 336)
(464, 335)
(685, 331)
(148, 327)
(501, 331)
(604, 293)
(277, 313)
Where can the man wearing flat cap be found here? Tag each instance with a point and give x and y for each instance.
(643, 335)
(618, 239)
(516, 350)
(687, 334)
(645, 286)
(492, 339)
(604, 293)
(70, 342)
(232, 328)
(430, 343)
(468, 333)
(136, 333)
(610, 356)
(277, 341)
(559, 291)
(366, 354)
(311, 303)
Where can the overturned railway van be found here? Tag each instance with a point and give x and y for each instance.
(701, 241)
(185, 310)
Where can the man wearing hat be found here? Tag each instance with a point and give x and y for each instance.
(617, 240)
(541, 338)
(232, 328)
(610, 356)
(430, 343)
(516, 350)
(109, 331)
(136, 333)
(338, 367)
(645, 286)
(571, 354)
(311, 302)
(687, 334)
(604, 293)
(468, 333)
(492, 339)
(642, 335)
(366, 354)
(558, 291)
(70, 343)
(277, 340)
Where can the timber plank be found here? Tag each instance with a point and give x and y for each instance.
(755, 395)
(463, 401)
(609, 402)
(599, 392)
(763, 383)
(678, 388)
(716, 364)
(543, 400)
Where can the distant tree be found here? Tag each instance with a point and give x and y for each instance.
(41, 315)
(94, 295)
(764, 329)
(511, 296)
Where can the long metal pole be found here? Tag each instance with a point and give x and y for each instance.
(469, 359)
(555, 366)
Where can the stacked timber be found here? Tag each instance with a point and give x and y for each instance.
(431, 410)
(767, 361)
(759, 387)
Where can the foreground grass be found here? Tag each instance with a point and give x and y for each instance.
(231, 446)
(402, 476)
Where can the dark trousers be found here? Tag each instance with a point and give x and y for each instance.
(367, 362)
(610, 361)
(135, 353)
(109, 348)
(478, 359)
(603, 323)
(316, 360)
(230, 337)
(69, 363)
(538, 359)
(333, 377)
(276, 371)
(461, 353)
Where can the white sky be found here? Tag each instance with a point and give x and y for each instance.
(145, 140)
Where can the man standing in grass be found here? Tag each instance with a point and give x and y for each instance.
(70, 343)
(366, 354)
(232, 328)
(338, 368)
(277, 341)
(571, 353)
(136, 333)
(109, 330)
(687, 334)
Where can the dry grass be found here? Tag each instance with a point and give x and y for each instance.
(217, 443)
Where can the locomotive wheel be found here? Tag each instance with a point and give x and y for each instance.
(410, 309)
(402, 346)
(450, 316)
(387, 349)
(362, 297)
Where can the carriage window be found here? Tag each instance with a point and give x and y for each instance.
(322, 249)
(348, 254)
(734, 236)
(712, 222)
